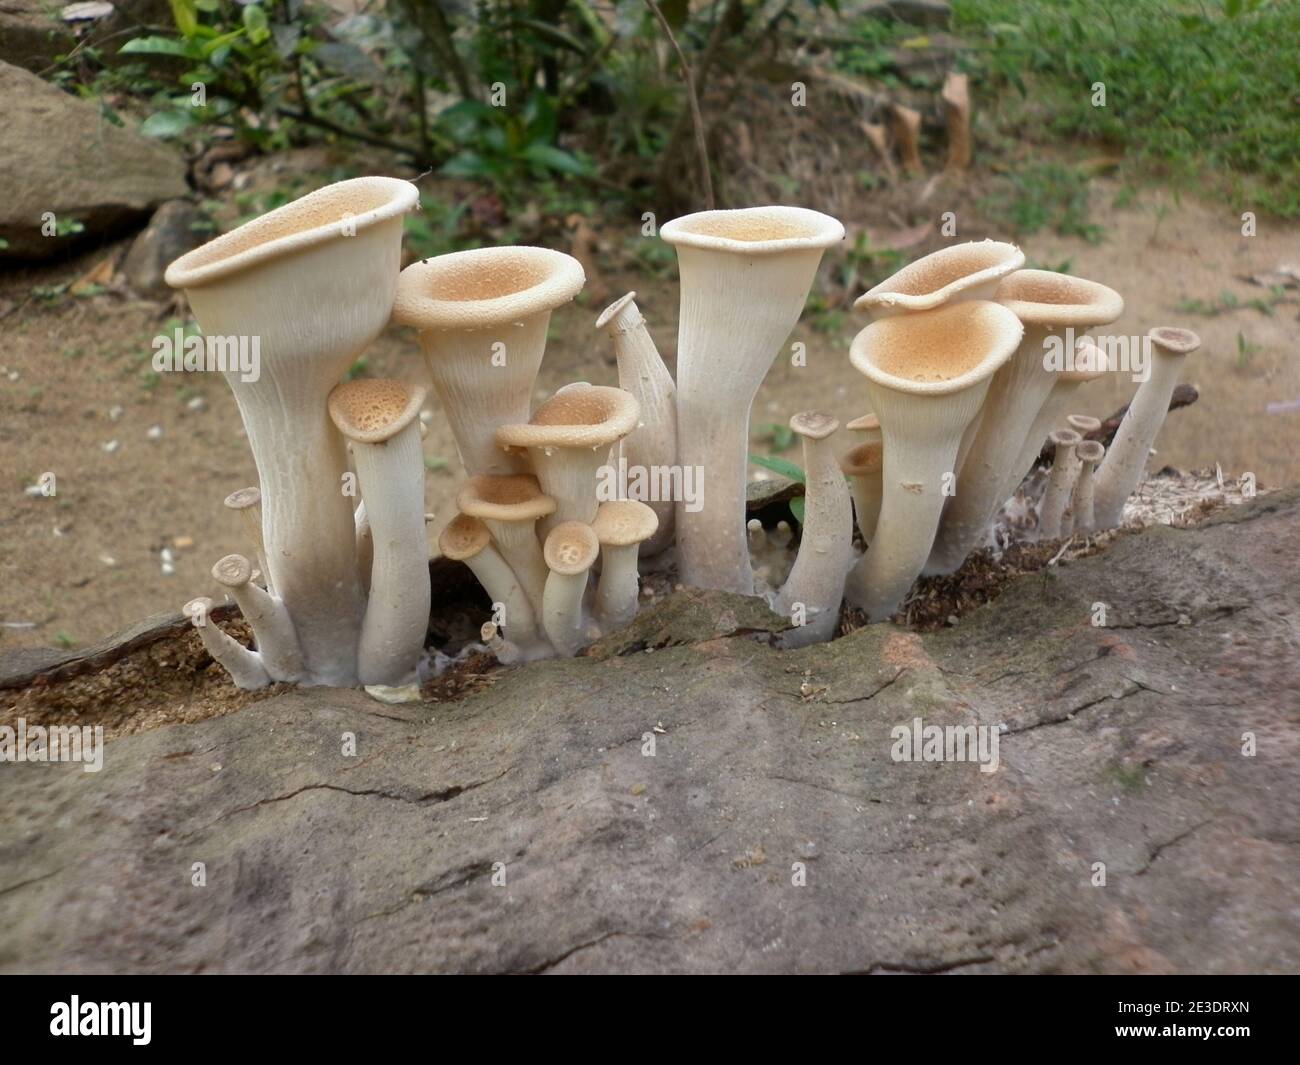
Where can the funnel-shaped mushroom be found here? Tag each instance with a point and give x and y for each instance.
(467, 540)
(510, 507)
(277, 643)
(380, 420)
(745, 276)
(1060, 484)
(312, 283)
(247, 503)
(927, 375)
(568, 440)
(652, 446)
(482, 317)
(1127, 456)
(815, 587)
(863, 465)
(244, 666)
(621, 526)
(970, 271)
(571, 550)
(1048, 304)
(1090, 453)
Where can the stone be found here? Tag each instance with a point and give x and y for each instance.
(58, 155)
(30, 37)
(173, 230)
(722, 805)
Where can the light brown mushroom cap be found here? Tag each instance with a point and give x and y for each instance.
(1066, 438)
(621, 522)
(1046, 298)
(864, 458)
(1173, 340)
(485, 287)
(234, 571)
(243, 498)
(588, 416)
(940, 351)
(1091, 451)
(504, 497)
(936, 278)
(372, 410)
(814, 424)
(1083, 424)
(200, 601)
(571, 548)
(754, 230)
(864, 423)
(613, 310)
(308, 221)
(464, 537)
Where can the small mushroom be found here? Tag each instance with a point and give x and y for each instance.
(570, 551)
(247, 503)
(466, 539)
(510, 506)
(1090, 453)
(1126, 458)
(621, 526)
(244, 666)
(277, 643)
(1060, 484)
(380, 419)
(862, 465)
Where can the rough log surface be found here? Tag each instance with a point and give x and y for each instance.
(1123, 746)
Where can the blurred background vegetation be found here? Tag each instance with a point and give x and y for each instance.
(543, 109)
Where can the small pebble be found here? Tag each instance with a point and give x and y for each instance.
(108, 560)
(197, 403)
(111, 448)
(114, 413)
(154, 433)
(182, 542)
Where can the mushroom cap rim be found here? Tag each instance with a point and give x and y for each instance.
(827, 231)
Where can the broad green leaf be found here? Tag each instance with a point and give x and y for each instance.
(166, 124)
(797, 508)
(557, 159)
(256, 24)
(161, 46)
(786, 469)
(186, 15)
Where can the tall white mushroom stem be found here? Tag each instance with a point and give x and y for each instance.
(380, 420)
(244, 666)
(1090, 453)
(927, 374)
(1126, 458)
(745, 276)
(863, 465)
(814, 588)
(306, 287)
(568, 441)
(1048, 304)
(482, 317)
(466, 539)
(1060, 485)
(621, 526)
(277, 642)
(571, 550)
(365, 545)
(652, 446)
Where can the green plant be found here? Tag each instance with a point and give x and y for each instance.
(1043, 195)
(788, 470)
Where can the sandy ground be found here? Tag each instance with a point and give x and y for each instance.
(74, 400)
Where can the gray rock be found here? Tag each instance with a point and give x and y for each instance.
(30, 37)
(526, 828)
(57, 154)
(170, 234)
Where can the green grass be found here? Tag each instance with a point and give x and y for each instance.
(1199, 92)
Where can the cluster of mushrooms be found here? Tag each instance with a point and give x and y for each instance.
(961, 394)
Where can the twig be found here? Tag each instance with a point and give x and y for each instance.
(701, 145)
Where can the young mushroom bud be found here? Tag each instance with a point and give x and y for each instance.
(380, 419)
(651, 448)
(247, 502)
(863, 465)
(1060, 484)
(571, 550)
(568, 440)
(1048, 304)
(745, 276)
(277, 643)
(1127, 456)
(502, 649)
(1089, 453)
(813, 591)
(927, 374)
(467, 540)
(621, 526)
(970, 271)
(244, 666)
(312, 284)
(510, 506)
(482, 317)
